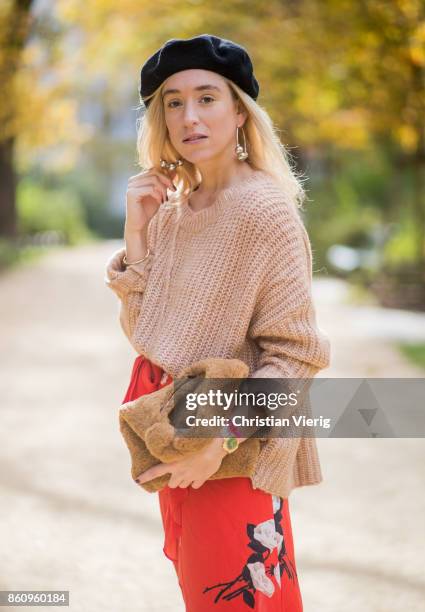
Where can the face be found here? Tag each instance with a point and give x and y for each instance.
(200, 101)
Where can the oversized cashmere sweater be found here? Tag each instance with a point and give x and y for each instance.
(232, 280)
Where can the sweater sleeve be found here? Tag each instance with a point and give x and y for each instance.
(284, 321)
(129, 283)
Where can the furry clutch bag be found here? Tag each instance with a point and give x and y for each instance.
(149, 423)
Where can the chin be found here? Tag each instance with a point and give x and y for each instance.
(201, 157)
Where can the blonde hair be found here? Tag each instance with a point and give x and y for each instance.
(265, 150)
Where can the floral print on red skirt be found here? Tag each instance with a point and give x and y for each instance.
(231, 544)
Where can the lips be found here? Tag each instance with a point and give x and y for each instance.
(194, 138)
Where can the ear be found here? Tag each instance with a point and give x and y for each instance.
(241, 113)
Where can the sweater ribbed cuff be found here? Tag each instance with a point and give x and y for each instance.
(124, 280)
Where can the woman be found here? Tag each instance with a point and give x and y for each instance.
(217, 263)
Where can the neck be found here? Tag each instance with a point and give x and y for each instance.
(215, 179)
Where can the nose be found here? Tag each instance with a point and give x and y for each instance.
(190, 114)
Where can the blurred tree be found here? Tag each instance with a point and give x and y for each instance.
(387, 61)
(14, 28)
(337, 76)
(38, 106)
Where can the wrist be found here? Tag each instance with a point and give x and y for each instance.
(136, 245)
(135, 233)
(216, 446)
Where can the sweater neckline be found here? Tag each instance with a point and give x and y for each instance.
(192, 221)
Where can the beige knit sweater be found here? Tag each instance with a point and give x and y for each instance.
(234, 281)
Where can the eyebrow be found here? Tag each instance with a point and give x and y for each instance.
(199, 88)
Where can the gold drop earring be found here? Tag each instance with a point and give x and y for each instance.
(241, 152)
(171, 165)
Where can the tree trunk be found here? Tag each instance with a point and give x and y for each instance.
(8, 222)
(14, 30)
(419, 211)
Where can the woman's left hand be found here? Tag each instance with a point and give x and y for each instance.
(192, 470)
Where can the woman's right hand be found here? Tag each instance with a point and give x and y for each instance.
(146, 191)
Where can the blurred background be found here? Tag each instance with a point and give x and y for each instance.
(344, 82)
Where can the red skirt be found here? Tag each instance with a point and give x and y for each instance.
(231, 544)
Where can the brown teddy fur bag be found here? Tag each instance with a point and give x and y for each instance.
(148, 423)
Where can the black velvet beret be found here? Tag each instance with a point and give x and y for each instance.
(204, 51)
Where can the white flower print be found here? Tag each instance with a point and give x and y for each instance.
(276, 503)
(259, 578)
(276, 572)
(266, 534)
(264, 568)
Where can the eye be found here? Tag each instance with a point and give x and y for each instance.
(171, 103)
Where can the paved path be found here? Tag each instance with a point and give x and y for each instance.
(72, 519)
